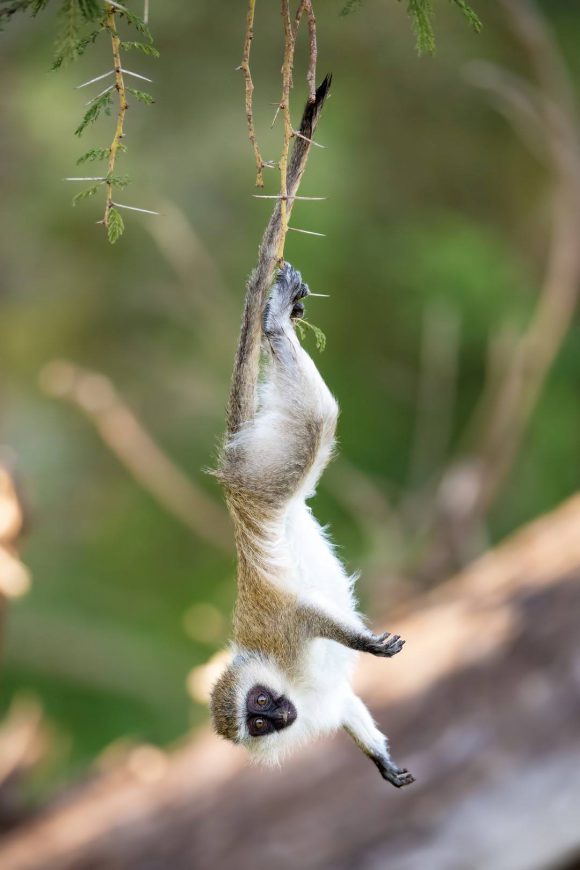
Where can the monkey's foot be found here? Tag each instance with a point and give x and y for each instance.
(397, 776)
(384, 645)
(284, 302)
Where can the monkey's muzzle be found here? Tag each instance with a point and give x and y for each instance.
(285, 714)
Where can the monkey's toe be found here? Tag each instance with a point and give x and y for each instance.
(402, 779)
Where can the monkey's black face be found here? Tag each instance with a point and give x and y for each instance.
(266, 713)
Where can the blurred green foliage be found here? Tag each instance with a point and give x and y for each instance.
(432, 202)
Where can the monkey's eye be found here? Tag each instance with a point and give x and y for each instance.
(259, 700)
(259, 725)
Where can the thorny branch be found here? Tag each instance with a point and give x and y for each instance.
(123, 106)
(287, 68)
(313, 50)
(245, 68)
(290, 33)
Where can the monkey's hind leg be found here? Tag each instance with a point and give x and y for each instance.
(293, 388)
(289, 441)
(358, 723)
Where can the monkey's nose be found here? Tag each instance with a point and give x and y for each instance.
(285, 715)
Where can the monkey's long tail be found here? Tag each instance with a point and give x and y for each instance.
(242, 400)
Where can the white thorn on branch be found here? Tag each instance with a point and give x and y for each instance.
(116, 5)
(306, 139)
(134, 208)
(110, 88)
(85, 178)
(307, 232)
(277, 196)
(128, 72)
(96, 79)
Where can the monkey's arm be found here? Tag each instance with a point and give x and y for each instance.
(358, 723)
(320, 623)
(242, 401)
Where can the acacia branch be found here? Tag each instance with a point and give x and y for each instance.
(287, 68)
(313, 50)
(123, 106)
(245, 67)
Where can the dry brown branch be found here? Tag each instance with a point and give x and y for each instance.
(290, 33)
(245, 67)
(306, 6)
(472, 485)
(123, 106)
(482, 706)
(436, 393)
(311, 73)
(536, 350)
(287, 67)
(134, 447)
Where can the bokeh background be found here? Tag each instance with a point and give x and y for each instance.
(438, 231)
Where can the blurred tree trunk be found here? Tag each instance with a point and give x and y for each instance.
(483, 706)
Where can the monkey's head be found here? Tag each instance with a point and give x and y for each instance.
(250, 705)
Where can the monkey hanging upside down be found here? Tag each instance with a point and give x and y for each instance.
(296, 628)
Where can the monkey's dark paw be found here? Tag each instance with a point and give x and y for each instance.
(398, 777)
(384, 645)
(285, 296)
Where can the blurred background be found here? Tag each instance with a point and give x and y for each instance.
(452, 261)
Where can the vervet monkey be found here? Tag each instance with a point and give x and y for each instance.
(296, 628)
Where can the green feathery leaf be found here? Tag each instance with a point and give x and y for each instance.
(120, 181)
(94, 154)
(350, 6)
(140, 46)
(8, 8)
(319, 336)
(115, 225)
(421, 14)
(137, 23)
(72, 49)
(100, 104)
(470, 14)
(141, 96)
(90, 9)
(87, 193)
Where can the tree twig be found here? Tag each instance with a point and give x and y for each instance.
(472, 484)
(287, 67)
(245, 67)
(313, 53)
(134, 447)
(123, 106)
